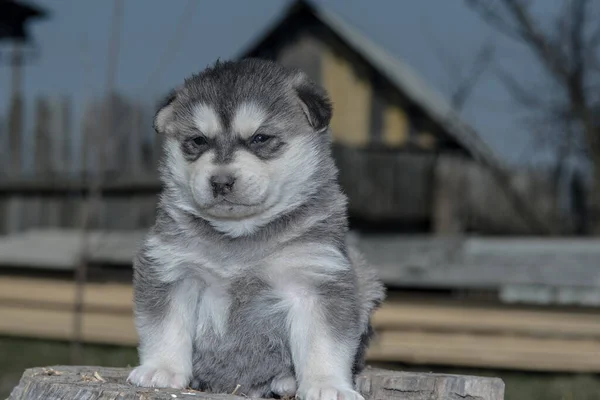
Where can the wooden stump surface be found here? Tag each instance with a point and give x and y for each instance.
(99, 383)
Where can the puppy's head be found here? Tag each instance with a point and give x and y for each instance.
(245, 142)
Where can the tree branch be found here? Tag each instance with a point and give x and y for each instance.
(481, 63)
(548, 52)
(578, 24)
(494, 18)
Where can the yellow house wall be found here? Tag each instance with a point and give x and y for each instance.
(351, 95)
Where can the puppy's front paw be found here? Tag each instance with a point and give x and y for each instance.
(328, 392)
(148, 376)
(284, 386)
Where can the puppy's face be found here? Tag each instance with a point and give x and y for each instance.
(244, 140)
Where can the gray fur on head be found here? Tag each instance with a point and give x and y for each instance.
(246, 277)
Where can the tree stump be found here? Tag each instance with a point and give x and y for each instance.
(100, 383)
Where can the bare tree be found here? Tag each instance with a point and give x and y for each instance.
(462, 76)
(566, 48)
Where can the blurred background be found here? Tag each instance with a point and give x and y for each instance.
(466, 133)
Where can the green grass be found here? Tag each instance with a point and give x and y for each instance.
(18, 354)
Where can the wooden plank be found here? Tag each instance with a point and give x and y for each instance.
(15, 134)
(488, 351)
(487, 320)
(14, 212)
(118, 298)
(43, 141)
(4, 209)
(88, 135)
(547, 295)
(483, 263)
(124, 185)
(60, 126)
(29, 217)
(54, 293)
(416, 333)
(374, 384)
(449, 184)
(375, 181)
(458, 349)
(35, 210)
(378, 105)
(71, 213)
(4, 148)
(58, 249)
(44, 323)
(453, 263)
(484, 188)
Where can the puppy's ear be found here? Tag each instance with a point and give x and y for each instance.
(165, 115)
(315, 102)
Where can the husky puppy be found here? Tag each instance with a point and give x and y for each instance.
(246, 280)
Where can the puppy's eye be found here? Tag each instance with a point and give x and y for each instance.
(200, 141)
(260, 138)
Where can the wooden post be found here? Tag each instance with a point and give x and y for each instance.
(4, 164)
(449, 191)
(13, 212)
(374, 384)
(59, 210)
(59, 126)
(44, 143)
(34, 209)
(15, 116)
(4, 148)
(134, 144)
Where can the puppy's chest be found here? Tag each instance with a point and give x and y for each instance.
(242, 309)
(252, 297)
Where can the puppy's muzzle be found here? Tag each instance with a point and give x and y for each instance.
(221, 184)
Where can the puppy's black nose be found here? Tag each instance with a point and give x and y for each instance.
(221, 184)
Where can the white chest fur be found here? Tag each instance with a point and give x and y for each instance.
(213, 311)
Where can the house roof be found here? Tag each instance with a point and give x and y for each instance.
(398, 73)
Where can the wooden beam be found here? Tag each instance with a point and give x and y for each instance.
(487, 320)
(449, 186)
(407, 332)
(71, 187)
(489, 351)
(59, 249)
(375, 384)
(103, 328)
(59, 294)
(117, 298)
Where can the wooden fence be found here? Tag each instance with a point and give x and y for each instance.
(47, 170)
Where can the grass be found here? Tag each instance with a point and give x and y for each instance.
(18, 354)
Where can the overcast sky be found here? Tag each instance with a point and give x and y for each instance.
(74, 47)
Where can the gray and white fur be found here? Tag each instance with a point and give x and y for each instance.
(246, 277)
